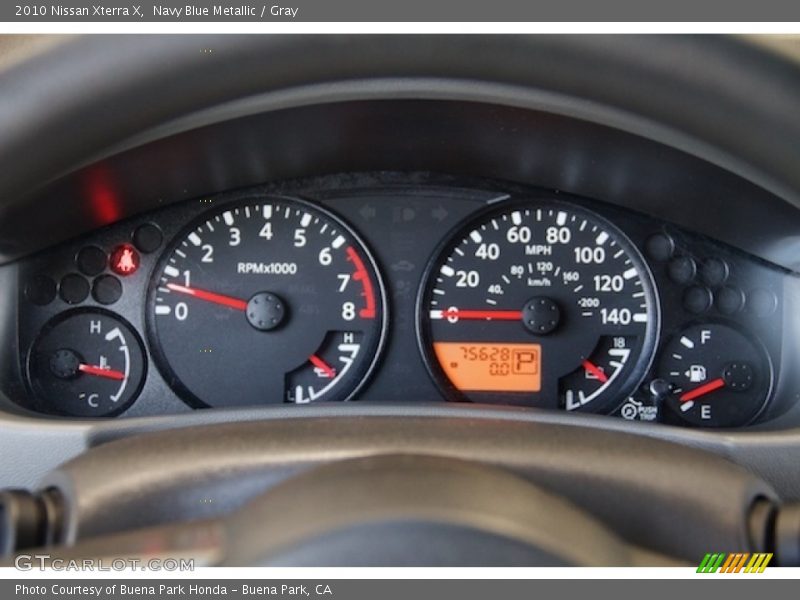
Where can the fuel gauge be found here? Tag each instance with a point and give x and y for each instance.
(86, 364)
(717, 376)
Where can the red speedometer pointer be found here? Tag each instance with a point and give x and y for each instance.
(595, 370)
(101, 372)
(477, 315)
(228, 301)
(704, 389)
(329, 371)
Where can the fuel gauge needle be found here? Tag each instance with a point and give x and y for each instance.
(704, 389)
(101, 372)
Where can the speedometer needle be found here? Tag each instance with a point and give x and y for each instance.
(101, 372)
(228, 301)
(476, 315)
(704, 389)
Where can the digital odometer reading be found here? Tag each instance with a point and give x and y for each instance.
(265, 302)
(548, 278)
(491, 367)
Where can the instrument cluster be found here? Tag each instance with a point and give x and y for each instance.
(395, 291)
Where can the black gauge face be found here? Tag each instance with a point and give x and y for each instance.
(717, 375)
(541, 304)
(265, 302)
(86, 364)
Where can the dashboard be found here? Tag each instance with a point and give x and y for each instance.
(398, 287)
(566, 263)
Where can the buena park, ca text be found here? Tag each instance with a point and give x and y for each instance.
(182, 589)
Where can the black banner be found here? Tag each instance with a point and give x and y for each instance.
(733, 588)
(167, 11)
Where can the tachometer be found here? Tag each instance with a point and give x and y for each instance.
(264, 302)
(539, 303)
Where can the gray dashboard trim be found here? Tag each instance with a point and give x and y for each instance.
(465, 90)
(631, 76)
(33, 447)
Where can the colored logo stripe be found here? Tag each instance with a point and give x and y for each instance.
(711, 563)
(758, 563)
(734, 563)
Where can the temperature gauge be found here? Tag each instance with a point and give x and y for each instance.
(717, 376)
(86, 364)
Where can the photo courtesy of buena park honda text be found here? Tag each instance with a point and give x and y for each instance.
(346, 299)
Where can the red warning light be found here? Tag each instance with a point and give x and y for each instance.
(124, 260)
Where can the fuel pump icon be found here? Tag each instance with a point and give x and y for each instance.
(696, 373)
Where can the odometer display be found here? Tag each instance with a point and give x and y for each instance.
(265, 302)
(539, 303)
(491, 367)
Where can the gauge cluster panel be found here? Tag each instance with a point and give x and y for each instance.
(382, 289)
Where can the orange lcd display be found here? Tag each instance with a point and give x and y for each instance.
(475, 367)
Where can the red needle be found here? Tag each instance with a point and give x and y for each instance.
(101, 372)
(322, 366)
(595, 370)
(497, 315)
(228, 301)
(704, 389)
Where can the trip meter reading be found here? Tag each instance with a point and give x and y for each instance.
(491, 367)
(266, 302)
(539, 303)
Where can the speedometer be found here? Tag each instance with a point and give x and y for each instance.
(266, 301)
(539, 303)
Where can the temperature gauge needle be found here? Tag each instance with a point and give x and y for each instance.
(101, 372)
(704, 389)
(322, 366)
(213, 297)
(595, 370)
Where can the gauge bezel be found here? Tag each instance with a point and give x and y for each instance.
(222, 203)
(668, 414)
(40, 405)
(647, 355)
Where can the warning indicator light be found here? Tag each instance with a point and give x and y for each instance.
(476, 367)
(124, 260)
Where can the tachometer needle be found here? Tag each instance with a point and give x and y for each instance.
(477, 315)
(595, 370)
(704, 389)
(228, 301)
(101, 372)
(329, 371)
